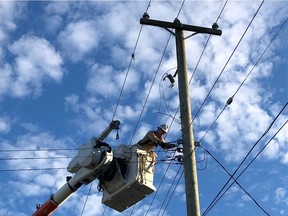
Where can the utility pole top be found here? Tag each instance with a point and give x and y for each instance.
(179, 26)
(189, 162)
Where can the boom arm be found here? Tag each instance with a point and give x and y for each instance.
(114, 125)
(92, 160)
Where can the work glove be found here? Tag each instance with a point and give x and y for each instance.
(166, 146)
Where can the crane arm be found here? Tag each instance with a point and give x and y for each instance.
(92, 160)
(114, 125)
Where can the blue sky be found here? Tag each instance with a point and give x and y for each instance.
(62, 68)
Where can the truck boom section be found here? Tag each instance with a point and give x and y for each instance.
(125, 174)
(92, 160)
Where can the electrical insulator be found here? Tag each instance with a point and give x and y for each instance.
(230, 100)
(215, 26)
(145, 16)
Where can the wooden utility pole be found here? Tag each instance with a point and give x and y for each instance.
(190, 169)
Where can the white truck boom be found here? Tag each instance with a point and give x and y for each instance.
(125, 174)
(91, 161)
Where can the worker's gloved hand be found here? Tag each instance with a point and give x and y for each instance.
(169, 145)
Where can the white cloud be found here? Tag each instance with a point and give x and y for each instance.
(78, 39)
(58, 8)
(32, 142)
(10, 11)
(91, 208)
(92, 117)
(128, 112)
(102, 81)
(5, 124)
(280, 195)
(235, 131)
(28, 189)
(6, 78)
(35, 61)
(34, 184)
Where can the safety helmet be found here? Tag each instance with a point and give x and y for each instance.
(164, 128)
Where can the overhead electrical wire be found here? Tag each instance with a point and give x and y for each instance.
(230, 100)
(170, 188)
(176, 185)
(125, 79)
(235, 180)
(205, 46)
(37, 150)
(265, 132)
(243, 83)
(63, 168)
(234, 50)
(207, 210)
(173, 119)
(150, 89)
(130, 63)
(255, 157)
(168, 40)
(85, 202)
(141, 113)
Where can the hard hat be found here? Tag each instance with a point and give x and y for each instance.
(164, 128)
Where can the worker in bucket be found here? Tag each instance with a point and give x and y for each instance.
(154, 138)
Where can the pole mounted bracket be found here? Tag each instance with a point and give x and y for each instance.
(179, 26)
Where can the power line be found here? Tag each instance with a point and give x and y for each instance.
(86, 198)
(235, 180)
(201, 106)
(247, 166)
(60, 168)
(128, 69)
(200, 58)
(173, 119)
(52, 158)
(230, 100)
(39, 150)
(155, 194)
(145, 105)
(32, 169)
(150, 89)
(261, 55)
(169, 191)
(180, 177)
(130, 63)
(205, 46)
(265, 132)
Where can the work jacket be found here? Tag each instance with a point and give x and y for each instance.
(151, 139)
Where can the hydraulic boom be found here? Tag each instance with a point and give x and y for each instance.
(92, 160)
(125, 174)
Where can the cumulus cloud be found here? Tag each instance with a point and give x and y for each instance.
(86, 32)
(37, 183)
(11, 12)
(35, 61)
(5, 124)
(102, 81)
(78, 39)
(281, 195)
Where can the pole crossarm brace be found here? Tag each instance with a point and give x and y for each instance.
(179, 26)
